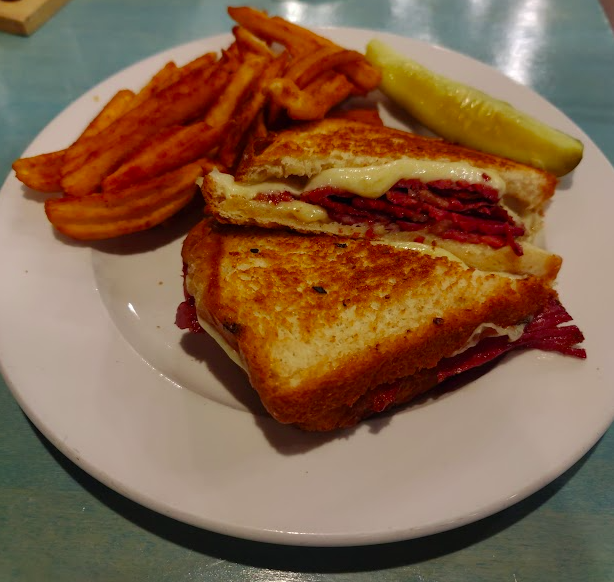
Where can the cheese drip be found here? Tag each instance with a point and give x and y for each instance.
(219, 338)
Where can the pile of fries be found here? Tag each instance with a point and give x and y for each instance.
(137, 162)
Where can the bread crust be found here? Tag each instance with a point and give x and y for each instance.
(310, 148)
(319, 321)
(393, 395)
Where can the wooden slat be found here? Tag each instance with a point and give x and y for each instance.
(25, 16)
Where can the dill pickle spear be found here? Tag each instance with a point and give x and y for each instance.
(463, 114)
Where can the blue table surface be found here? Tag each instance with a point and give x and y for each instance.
(57, 523)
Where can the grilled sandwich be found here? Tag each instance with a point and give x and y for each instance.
(331, 330)
(352, 179)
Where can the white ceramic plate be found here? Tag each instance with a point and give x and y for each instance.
(90, 351)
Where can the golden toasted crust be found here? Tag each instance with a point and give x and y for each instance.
(320, 321)
(390, 395)
(308, 149)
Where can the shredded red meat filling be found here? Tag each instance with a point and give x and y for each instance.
(385, 397)
(544, 332)
(460, 211)
(186, 317)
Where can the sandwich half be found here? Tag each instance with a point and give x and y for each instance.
(357, 180)
(331, 330)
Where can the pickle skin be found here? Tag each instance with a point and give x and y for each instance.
(465, 115)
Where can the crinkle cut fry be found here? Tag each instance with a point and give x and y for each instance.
(201, 62)
(166, 76)
(249, 110)
(315, 72)
(182, 101)
(240, 83)
(44, 172)
(177, 147)
(117, 106)
(315, 100)
(136, 208)
(307, 68)
(170, 74)
(299, 40)
(264, 27)
(249, 43)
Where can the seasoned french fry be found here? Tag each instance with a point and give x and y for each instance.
(370, 116)
(121, 102)
(299, 40)
(44, 172)
(176, 104)
(171, 149)
(250, 43)
(81, 150)
(78, 152)
(363, 75)
(136, 162)
(226, 103)
(333, 85)
(315, 100)
(170, 74)
(201, 62)
(111, 214)
(41, 172)
(273, 30)
(166, 76)
(234, 140)
(232, 53)
(258, 128)
(307, 68)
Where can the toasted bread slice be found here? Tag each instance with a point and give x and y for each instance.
(308, 150)
(323, 324)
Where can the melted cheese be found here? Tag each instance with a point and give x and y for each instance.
(513, 332)
(219, 338)
(302, 211)
(226, 184)
(373, 181)
(368, 181)
(422, 248)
